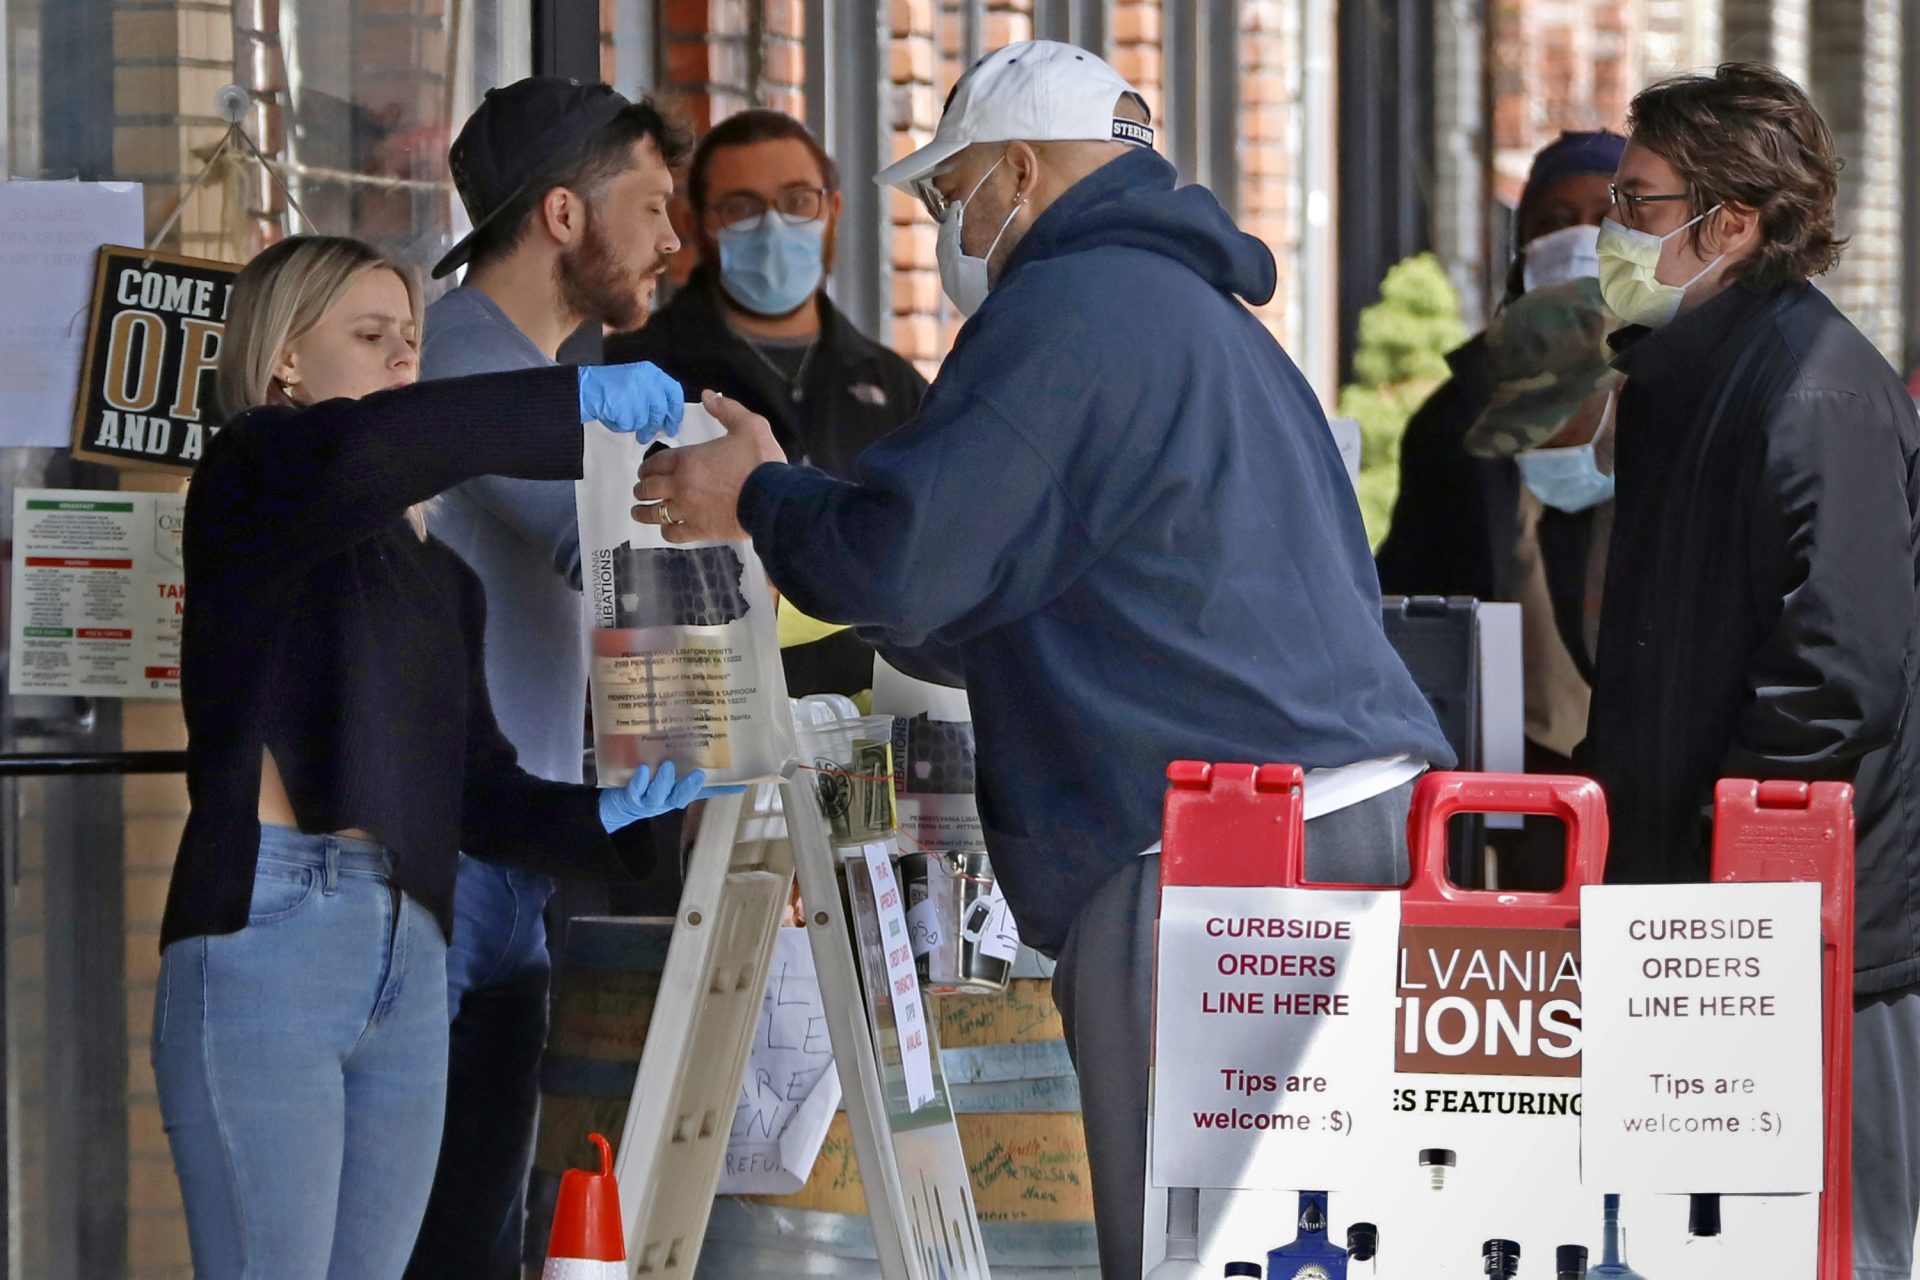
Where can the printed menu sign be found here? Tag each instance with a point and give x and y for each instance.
(146, 386)
(1281, 1001)
(1702, 1059)
(99, 592)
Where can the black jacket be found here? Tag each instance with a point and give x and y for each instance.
(854, 392)
(1760, 608)
(1457, 517)
(855, 389)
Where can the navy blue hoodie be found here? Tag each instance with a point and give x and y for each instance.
(1120, 519)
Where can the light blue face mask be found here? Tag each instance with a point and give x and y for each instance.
(773, 268)
(1569, 479)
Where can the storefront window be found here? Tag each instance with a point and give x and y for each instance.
(354, 103)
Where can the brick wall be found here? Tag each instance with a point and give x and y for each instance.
(705, 57)
(920, 322)
(1856, 83)
(1270, 139)
(1137, 53)
(170, 58)
(1559, 64)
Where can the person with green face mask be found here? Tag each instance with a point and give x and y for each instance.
(1760, 611)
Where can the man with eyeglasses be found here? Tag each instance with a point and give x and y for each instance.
(1760, 617)
(754, 323)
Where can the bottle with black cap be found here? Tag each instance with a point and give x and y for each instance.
(1570, 1262)
(1250, 1269)
(1311, 1256)
(1706, 1249)
(1613, 1245)
(1363, 1244)
(1501, 1259)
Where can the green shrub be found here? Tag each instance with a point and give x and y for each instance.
(1404, 339)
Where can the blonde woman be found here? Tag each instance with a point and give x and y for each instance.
(342, 750)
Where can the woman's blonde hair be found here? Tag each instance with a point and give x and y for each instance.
(278, 298)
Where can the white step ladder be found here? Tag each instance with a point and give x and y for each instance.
(739, 875)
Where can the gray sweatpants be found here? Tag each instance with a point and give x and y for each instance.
(1103, 988)
(1886, 1133)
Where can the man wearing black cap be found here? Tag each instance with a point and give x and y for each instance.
(567, 187)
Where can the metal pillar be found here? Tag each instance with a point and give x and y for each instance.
(855, 84)
(1081, 22)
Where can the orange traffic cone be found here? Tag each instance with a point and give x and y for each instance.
(587, 1241)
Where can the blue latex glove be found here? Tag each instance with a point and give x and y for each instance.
(636, 398)
(650, 793)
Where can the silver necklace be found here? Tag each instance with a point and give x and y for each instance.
(797, 385)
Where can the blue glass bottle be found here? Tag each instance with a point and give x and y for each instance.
(1311, 1256)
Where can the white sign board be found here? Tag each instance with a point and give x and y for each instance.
(1281, 1003)
(98, 594)
(903, 980)
(791, 1089)
(1703, 1034)
(50, 233)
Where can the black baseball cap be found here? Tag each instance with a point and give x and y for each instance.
(516, 132)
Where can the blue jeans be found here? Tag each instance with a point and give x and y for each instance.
(302, 1067)
(497, 973)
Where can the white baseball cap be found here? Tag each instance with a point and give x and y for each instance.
(1034, 91)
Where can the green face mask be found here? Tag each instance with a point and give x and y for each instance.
(1628, 285)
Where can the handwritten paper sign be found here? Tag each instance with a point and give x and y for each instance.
(1281, 1003)
(791, 1090)
(903, 980)
(49, 232)
(1702, 1061)
(98, 593)
(146, 389)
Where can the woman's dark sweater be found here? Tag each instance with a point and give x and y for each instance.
(321, 628)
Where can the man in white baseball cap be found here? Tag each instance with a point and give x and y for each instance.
(1119, 519)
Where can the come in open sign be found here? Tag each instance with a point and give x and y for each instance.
(146, 392)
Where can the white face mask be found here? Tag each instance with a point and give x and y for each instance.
(1628, 285)
(963, 276)
(1570, 253)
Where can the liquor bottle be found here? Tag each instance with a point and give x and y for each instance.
(1182, 1260)
(1311, 1256)
(1613, 1246)
(1500, 1259)
(1706, 1248)
(1570, 1262)
(1363, 1245)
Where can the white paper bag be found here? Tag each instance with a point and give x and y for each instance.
(686, 661)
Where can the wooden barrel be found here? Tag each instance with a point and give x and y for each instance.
(1017, 1106)
(603, 1004)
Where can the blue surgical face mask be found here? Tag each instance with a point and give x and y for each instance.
(772, 268)
(1569, 479)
